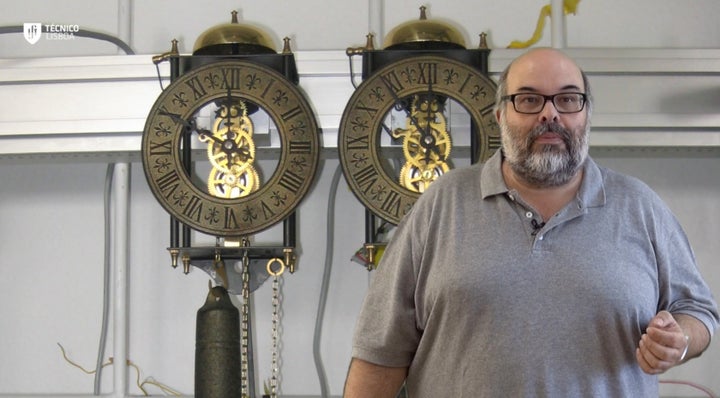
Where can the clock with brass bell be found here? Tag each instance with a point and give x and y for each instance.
(229, 149)
(425, 106)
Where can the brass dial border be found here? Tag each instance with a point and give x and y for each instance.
(251, 82)
(362, 123)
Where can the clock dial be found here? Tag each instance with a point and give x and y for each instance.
(202, 140)
(398, 129)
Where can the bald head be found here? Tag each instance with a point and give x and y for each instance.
(545, 71)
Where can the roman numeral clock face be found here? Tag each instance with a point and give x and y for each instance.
(230, 148)
(409, 123)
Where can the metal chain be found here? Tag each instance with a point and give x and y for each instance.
(244, 332)
(275, 335)
(275, 368)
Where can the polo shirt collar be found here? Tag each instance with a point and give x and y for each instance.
(590, 194)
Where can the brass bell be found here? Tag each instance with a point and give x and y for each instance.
(234, 38)
(424, 34)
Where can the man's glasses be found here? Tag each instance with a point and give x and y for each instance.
(531, 103)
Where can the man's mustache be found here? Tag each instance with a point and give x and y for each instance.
(555, 128)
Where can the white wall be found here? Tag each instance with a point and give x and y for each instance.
(335, 25)
(51, 208)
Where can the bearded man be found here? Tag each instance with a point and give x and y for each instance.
(536, 274)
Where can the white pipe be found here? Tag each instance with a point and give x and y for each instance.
(557, 24)
(376, 21)
(121, 225)
(125, 22)
(121, 199)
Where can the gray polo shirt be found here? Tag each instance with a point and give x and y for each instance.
(478, 302)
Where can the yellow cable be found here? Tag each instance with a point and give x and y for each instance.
(149, 380)
(62, 349)
(569, 7)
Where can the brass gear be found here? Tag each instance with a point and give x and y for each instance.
(238, 182)
(417, 179)
(421, 154)
(232, 143)
(427, 139)
(233, 147)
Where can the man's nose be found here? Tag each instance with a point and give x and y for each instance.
(549, 112)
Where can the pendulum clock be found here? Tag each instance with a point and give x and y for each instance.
(424, 100)
(229, 149)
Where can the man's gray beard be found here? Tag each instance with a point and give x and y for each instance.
(551, 166)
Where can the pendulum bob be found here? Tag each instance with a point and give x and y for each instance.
(217, 347)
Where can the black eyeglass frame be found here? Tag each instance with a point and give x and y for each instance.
(546, 98)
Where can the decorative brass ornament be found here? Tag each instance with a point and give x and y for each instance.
(424, 87)
(233, 201)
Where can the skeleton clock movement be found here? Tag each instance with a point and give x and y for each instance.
(424, 105)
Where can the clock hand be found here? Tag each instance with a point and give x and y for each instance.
(192, 126)
(177, 118)
(428, 138)
(399, 105)
(431, 135)
(208, 134)
(229, 109)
